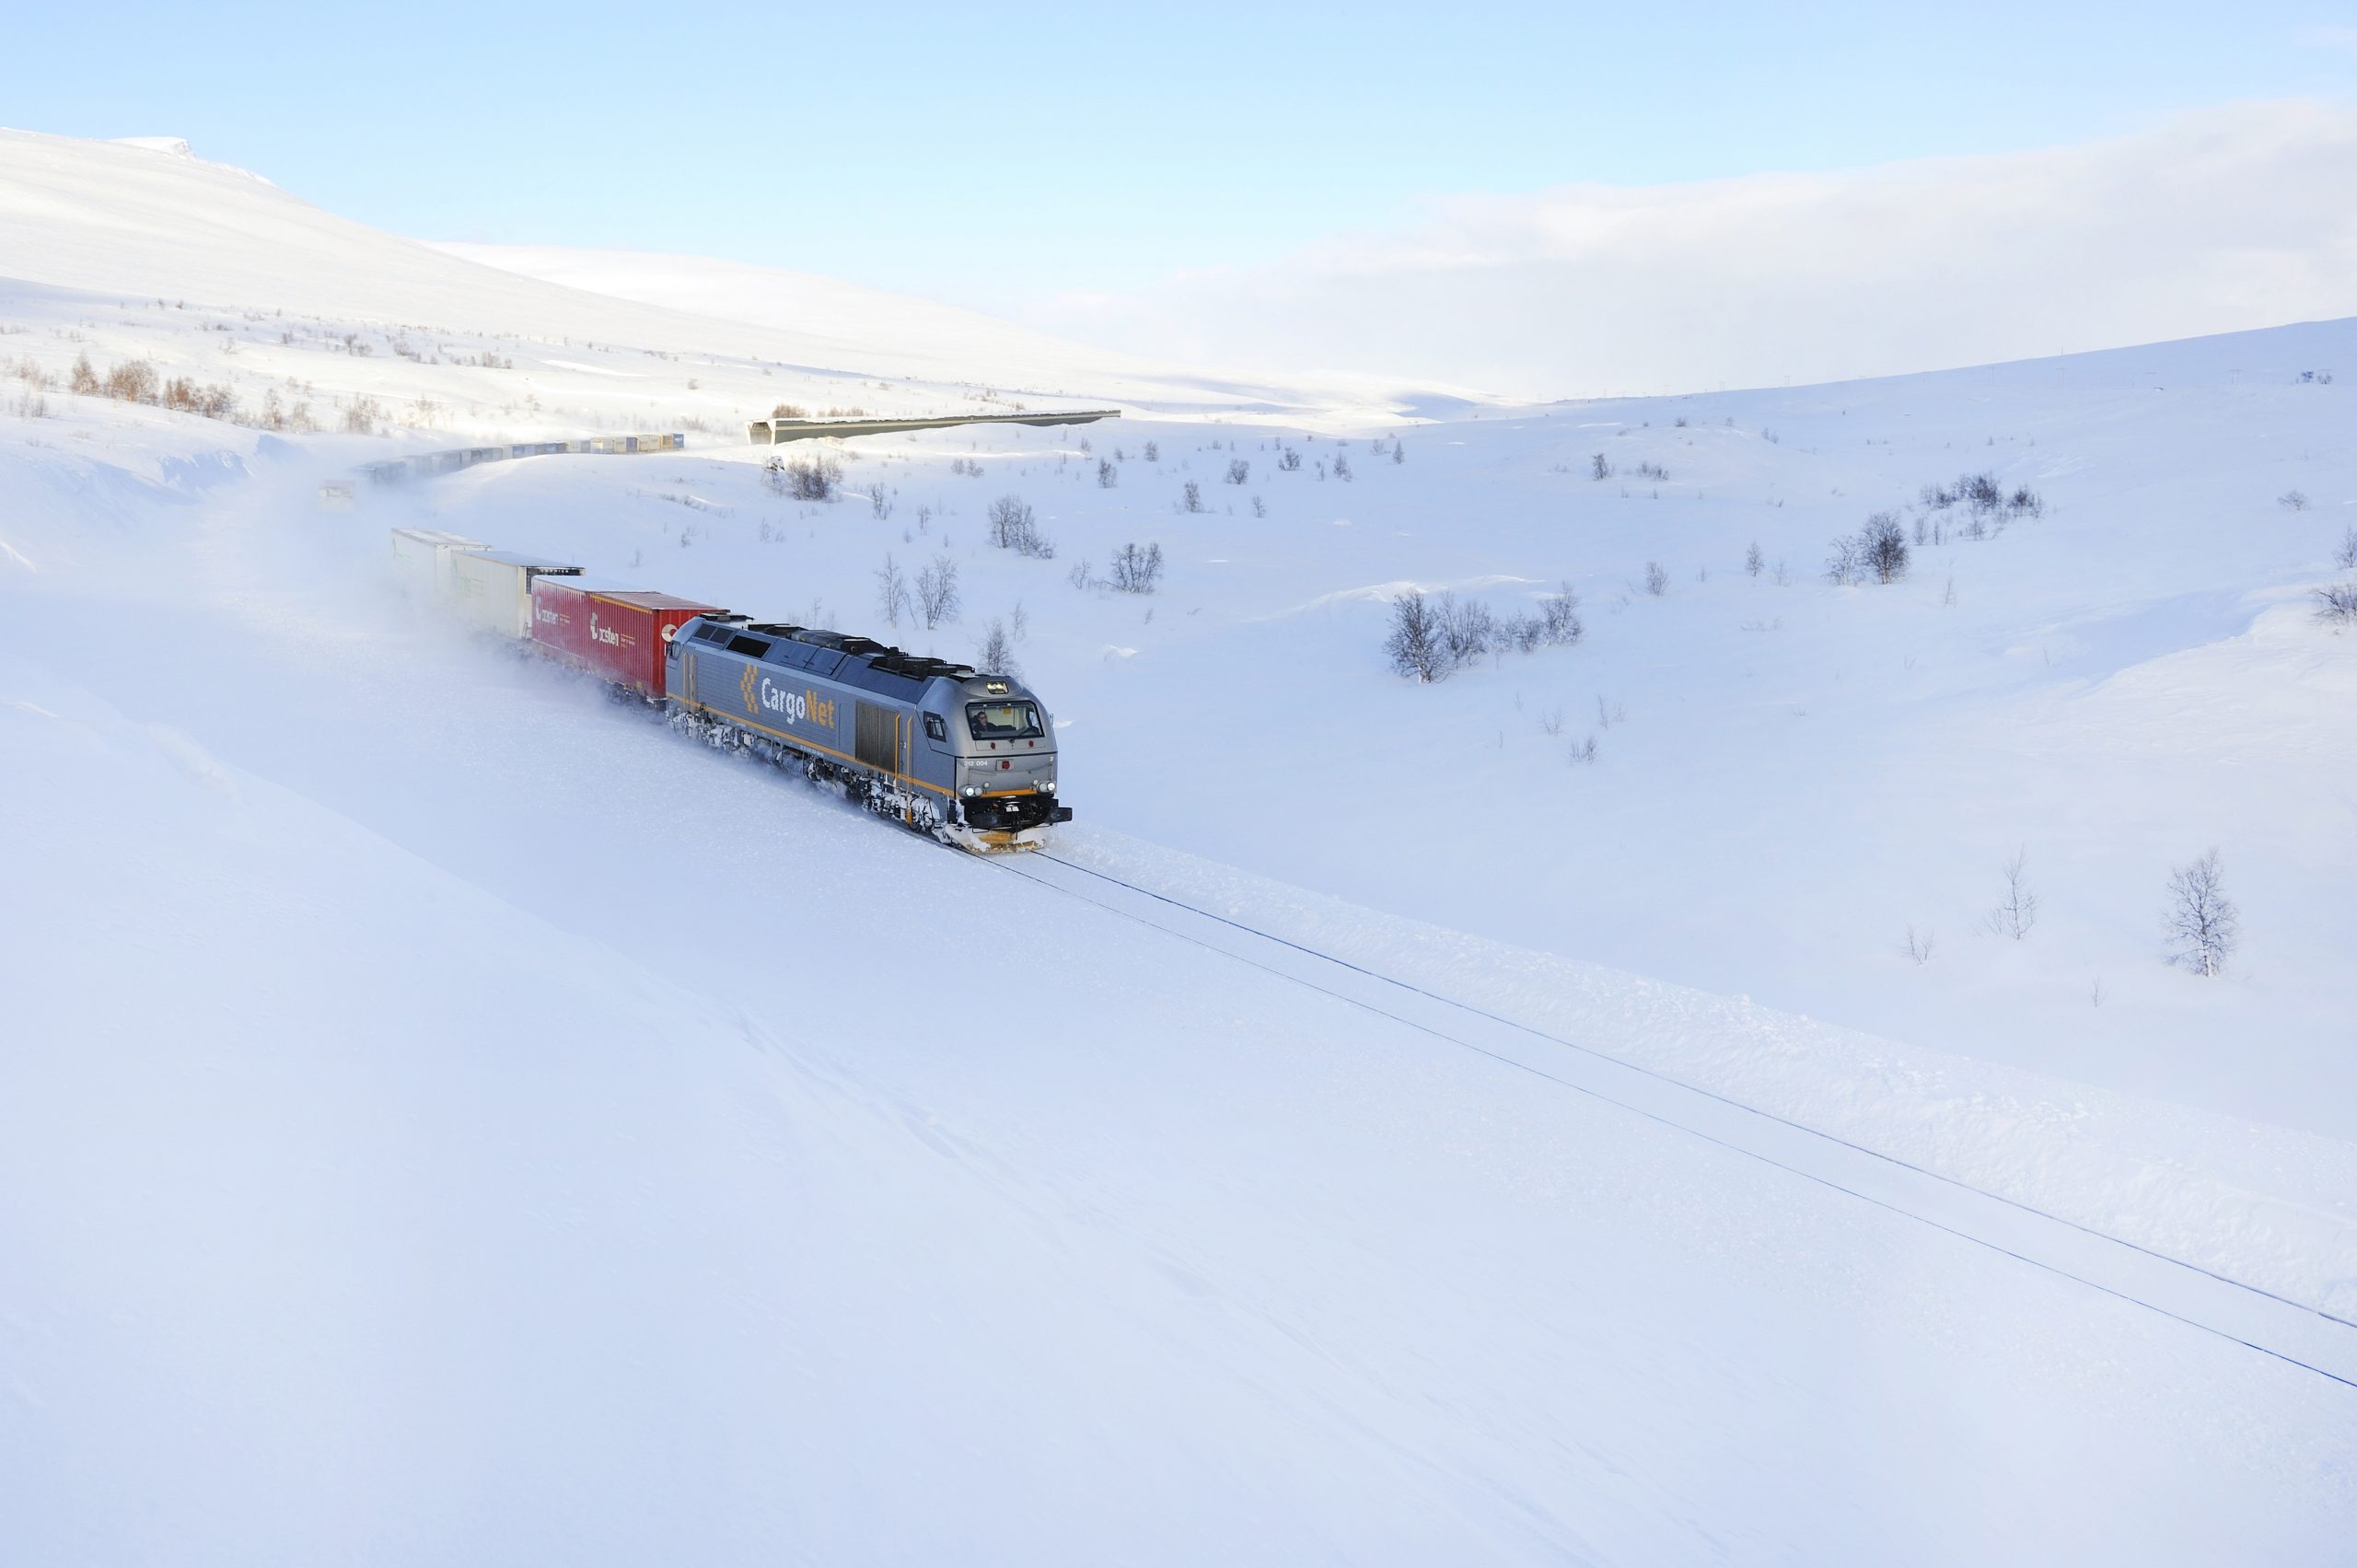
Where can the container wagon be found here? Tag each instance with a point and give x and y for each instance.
(492, 589)
(614, 631)
(421, 559)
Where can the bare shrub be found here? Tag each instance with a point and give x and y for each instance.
(994, 653)
(891, 592)
(2337, 605)
(1136, 570)
(1414, 644)
(1154, 451)
(1555, 623)
(879, 502)
(1985, 498)
(2017, 911)
(1598, 468)
(84, 381)
(1656, 579)
(133, 381)
(937, 598)
(1342, 467)
(1192, 498)
(1239, 471)
(2346, 556)
(1847, 564)
(1468, 629)
(789, 411)
(1289, 460)
(811, 479)
(1753, 561)
(1883, 545)
(1108, 476)
(1919, 946)
(2292, 501)
(1013, 526)
(362, 415)
(2199, 922)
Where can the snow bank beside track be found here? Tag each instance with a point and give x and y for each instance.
(2272, 1207)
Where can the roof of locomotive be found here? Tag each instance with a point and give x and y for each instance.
(840, 656)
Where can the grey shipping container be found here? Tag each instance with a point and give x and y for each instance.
(492, 589)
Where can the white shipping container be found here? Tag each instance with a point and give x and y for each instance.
(492, 589)
(421, 559)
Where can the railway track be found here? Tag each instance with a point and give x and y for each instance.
(2298, 1335)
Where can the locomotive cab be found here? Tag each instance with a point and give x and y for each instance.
(999, 745)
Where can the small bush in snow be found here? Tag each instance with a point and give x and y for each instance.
(892, 590)
(1656, 579)
(1753, 561)
(1884, 544)
(1239, 471)
(1876, 553)
(2337, 605)
(1108, 476)
(2292, 501)
(1468, 629)
(1342, 467)
(1555, 624)
(1154, 451)
(2201, 923)
(1192, 498)
(995, 655)
(1598, 468)
(1415, 646)
(937, 591)
(2018, 911)
(1289, 460)
(134, 381)
(2347, 556)
(1136, 570)
(1433, 635)
(1984, 497)
(804, 479)
(1013, 526)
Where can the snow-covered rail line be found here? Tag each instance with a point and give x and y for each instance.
(2295, 1333)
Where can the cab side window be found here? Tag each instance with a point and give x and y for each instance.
(934, 728)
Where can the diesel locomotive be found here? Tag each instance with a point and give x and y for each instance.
(964, 755)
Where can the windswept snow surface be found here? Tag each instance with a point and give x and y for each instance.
(445, 1114)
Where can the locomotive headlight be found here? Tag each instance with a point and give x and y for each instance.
(969, 790)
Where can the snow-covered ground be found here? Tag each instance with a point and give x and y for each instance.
(445, 1114)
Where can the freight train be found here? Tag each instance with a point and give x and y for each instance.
(964, 755)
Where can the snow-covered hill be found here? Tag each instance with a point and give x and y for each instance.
(104, 226)
(443, 1114)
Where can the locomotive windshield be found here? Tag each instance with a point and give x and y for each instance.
(1003, 721)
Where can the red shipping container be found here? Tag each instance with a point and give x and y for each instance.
(615, 633)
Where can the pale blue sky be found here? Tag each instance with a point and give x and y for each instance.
(991, 153)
